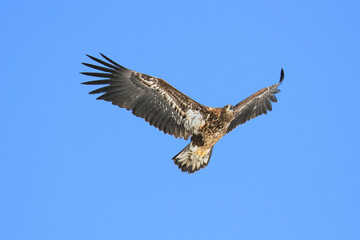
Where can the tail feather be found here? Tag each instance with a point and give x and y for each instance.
(193, 158)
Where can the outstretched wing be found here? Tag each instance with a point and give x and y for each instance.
(255, 105)
(147, 97)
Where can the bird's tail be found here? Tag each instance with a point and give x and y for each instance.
(193, 158)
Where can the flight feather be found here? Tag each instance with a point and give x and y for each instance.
(147, 97)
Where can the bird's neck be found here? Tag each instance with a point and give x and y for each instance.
(227, 116)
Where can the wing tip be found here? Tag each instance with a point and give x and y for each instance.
(282, 75)
(111, 61)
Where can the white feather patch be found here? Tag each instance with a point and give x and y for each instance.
(194, 120)
(192, 158)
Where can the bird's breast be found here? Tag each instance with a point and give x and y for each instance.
(210, 133)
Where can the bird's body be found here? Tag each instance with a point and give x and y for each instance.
(197, 154)
(214, 127)
(174, 113)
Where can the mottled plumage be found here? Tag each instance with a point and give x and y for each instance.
(173, 112)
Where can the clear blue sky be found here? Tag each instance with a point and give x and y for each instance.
(75, 168)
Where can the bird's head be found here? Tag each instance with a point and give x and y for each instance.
(227, 113)
(228, 108)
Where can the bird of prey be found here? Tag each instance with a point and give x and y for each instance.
(174, 113)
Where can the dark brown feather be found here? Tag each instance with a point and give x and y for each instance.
(255, 105)
(148, 97)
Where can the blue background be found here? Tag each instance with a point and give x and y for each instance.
(75, 168)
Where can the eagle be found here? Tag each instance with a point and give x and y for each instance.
(174, 113)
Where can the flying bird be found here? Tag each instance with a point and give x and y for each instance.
(174, 113)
